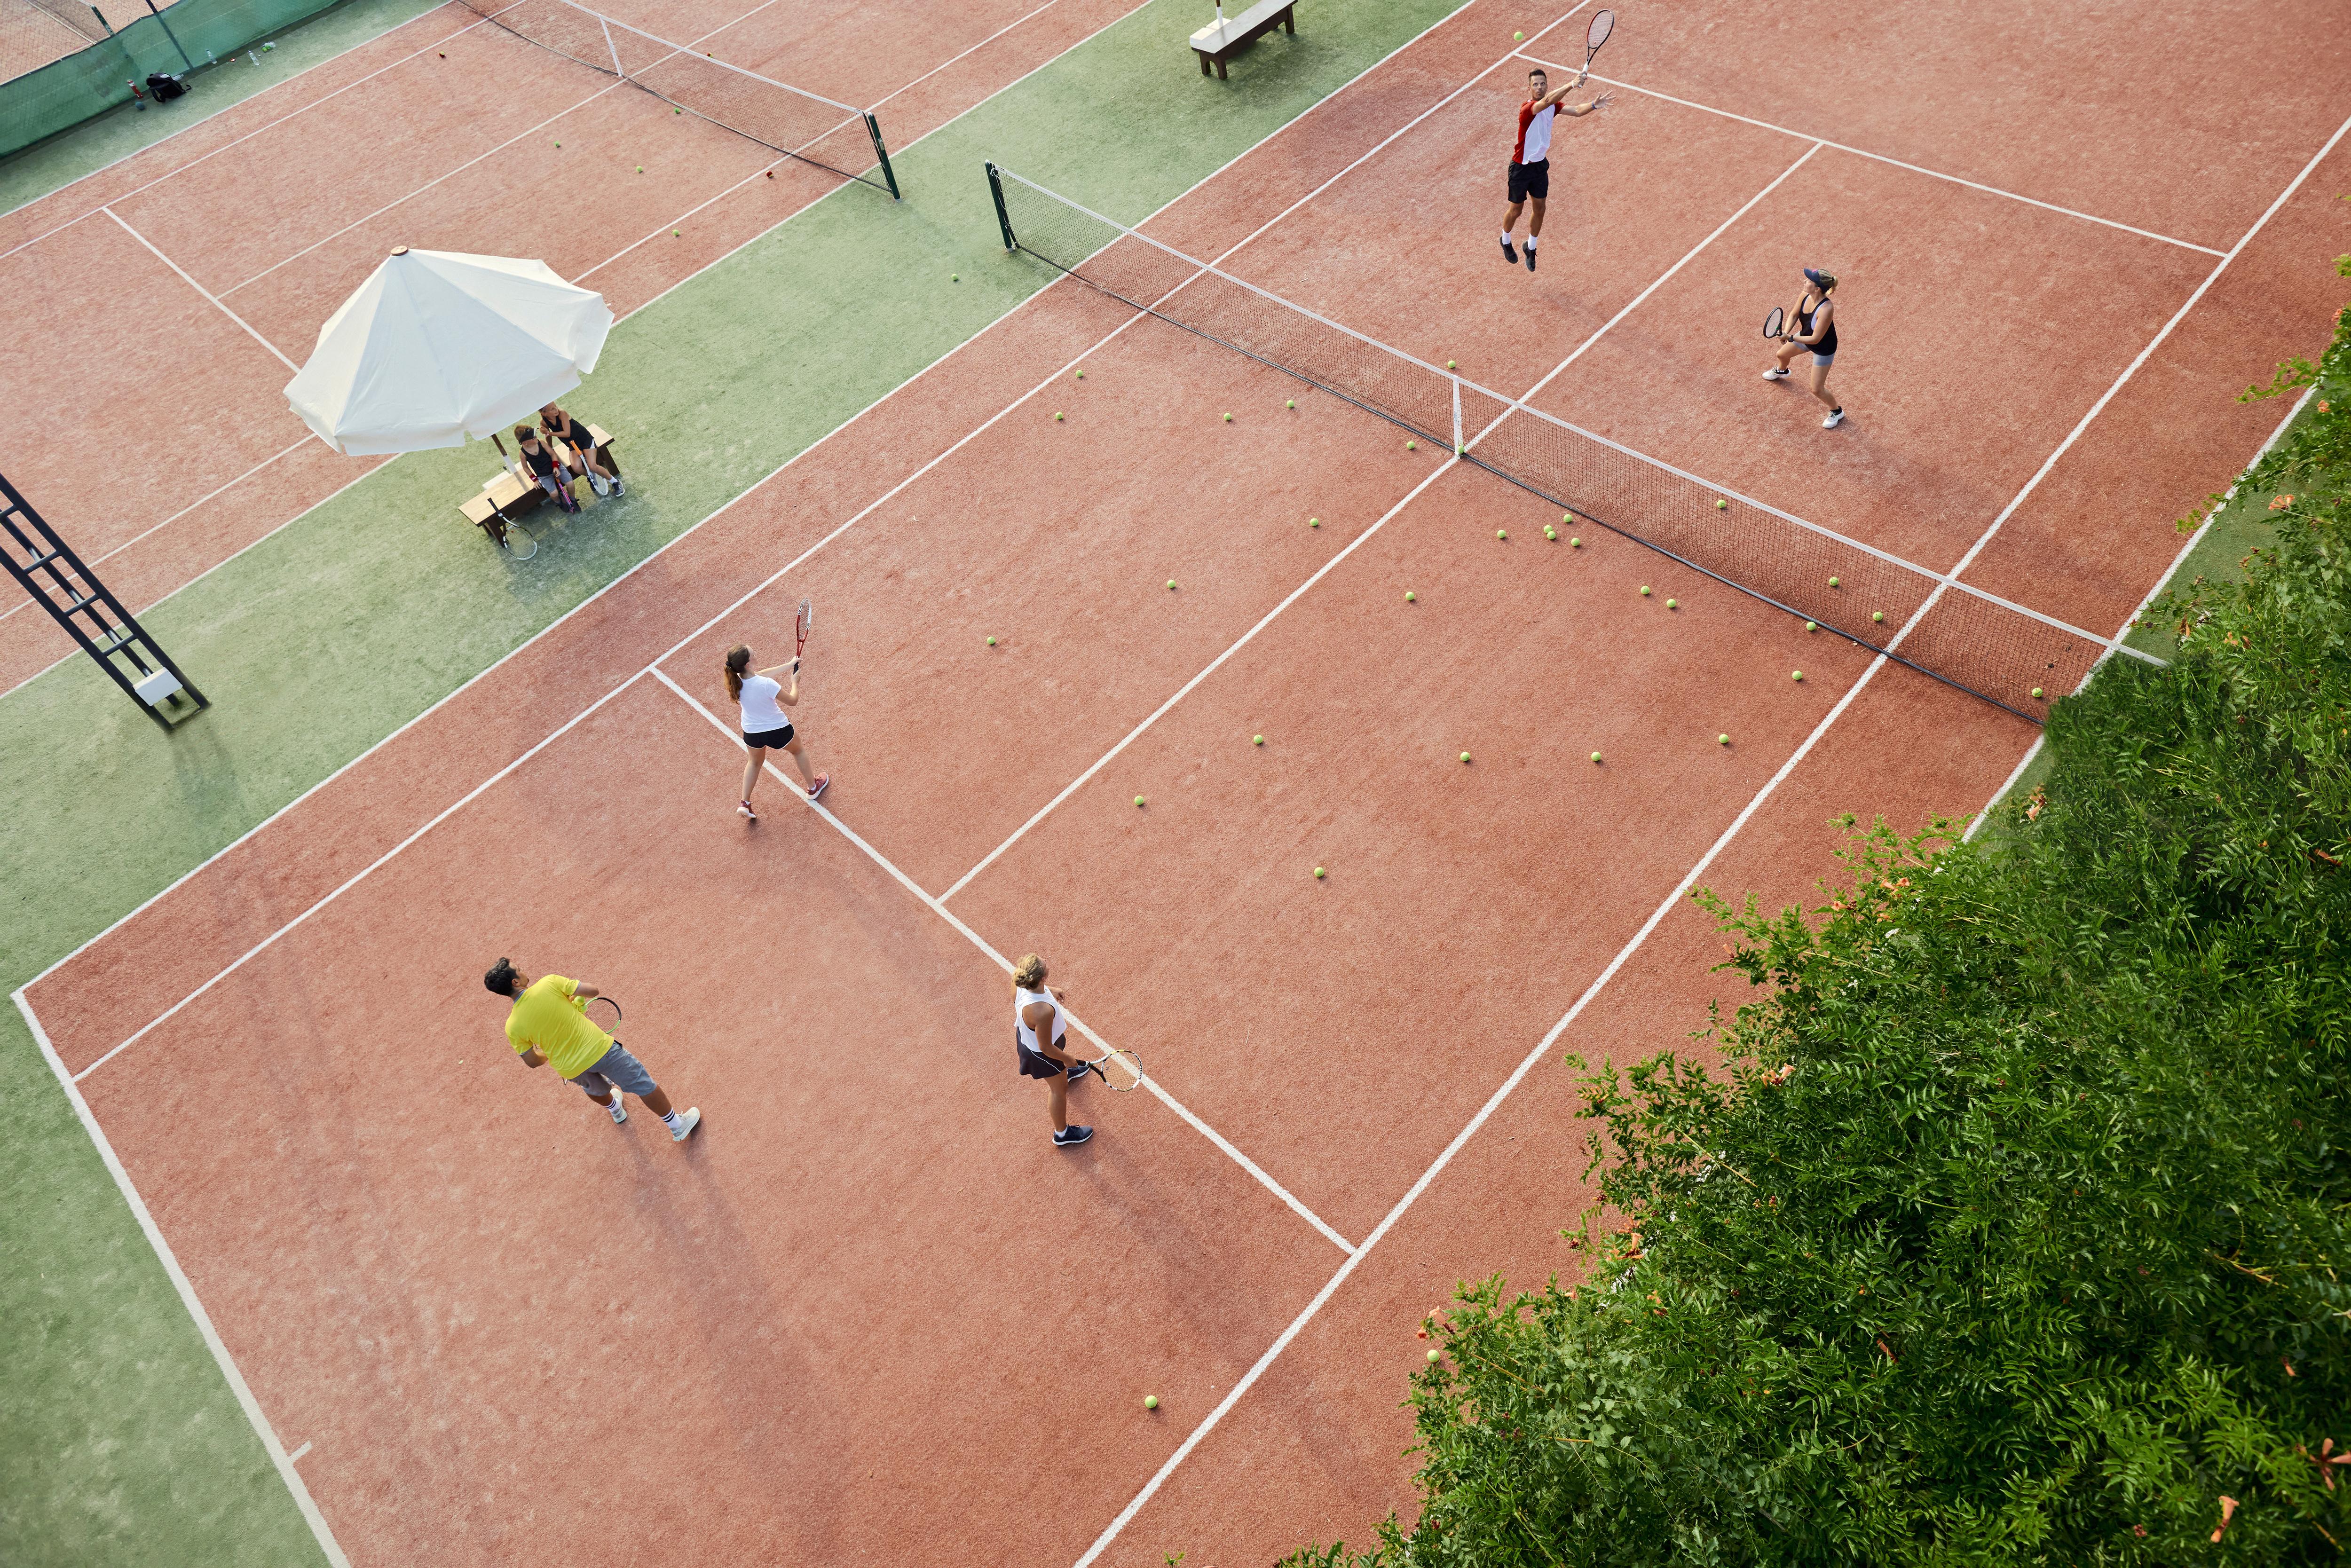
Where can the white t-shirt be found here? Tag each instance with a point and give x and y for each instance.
(762, 711)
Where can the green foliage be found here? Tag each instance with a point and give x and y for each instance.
(2013, 1224)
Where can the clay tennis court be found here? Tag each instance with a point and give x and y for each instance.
(869, 1312)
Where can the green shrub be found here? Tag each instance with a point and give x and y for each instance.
(2014, 1225)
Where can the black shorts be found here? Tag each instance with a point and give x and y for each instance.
(1531, 180)
(769, 739)
(1035, 1064)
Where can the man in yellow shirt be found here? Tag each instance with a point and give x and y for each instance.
(548, 1022)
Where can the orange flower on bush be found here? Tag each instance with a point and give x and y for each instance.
(2280, 503)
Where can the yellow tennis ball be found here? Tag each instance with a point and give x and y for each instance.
(1834, 583)
(1257, 740)
(1465, 756)
(1435, 1353)
(1673, 604)
(1138, 800)
(1171, 582)
(955, 278)
(991, 642)
(1082, 375)
(1407, 596)
(1550, 532)
(1596, 756)
(1575, 544)
(1722, 740)
(1811, 625)
(1796, 674)
(1645, 591)
(1151, 1402)
(1412, 446)
(1057, 419)
(1720, 504)
(1313, 522)
(1289, 403)
(2036, 692)
(1877, 615)
(1516, 38)
(1229, 419)
(1501, 533)
(1448, 364)
(1318, 873)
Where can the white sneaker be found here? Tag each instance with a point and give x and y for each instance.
(618, 1108)
(1776, 373)
(1835, 418)
(687, 1120)
(618, 488)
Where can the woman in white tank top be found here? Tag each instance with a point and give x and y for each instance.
(1039, 1029)
(765, 727)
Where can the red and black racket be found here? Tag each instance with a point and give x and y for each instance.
(1603, 24)
(801, 624)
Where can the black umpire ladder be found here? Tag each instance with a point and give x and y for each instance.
(76, 601)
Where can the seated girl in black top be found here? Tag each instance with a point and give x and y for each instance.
(539, 462)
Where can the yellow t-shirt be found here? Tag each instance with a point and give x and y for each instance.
(547, 1016)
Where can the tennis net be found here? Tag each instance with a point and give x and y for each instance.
(783, 119)
(2011, 656)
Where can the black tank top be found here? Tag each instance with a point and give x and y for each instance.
(541, 461)
(1827, 345)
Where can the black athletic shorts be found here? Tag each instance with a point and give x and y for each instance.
(1034, 1063)
(769, 739)
(1531, 180)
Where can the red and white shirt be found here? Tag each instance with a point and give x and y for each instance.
(1534, 133)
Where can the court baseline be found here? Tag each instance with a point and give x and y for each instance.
(1876, 157)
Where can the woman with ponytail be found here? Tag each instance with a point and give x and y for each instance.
(765, 726)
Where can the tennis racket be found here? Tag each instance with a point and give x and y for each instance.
(1775, 325)
(1121, 1073)
(1603, 24)
(608, 1017)
(801, 625)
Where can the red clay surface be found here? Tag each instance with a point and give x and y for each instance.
(786, 1275)
(393, 144)
(459, 1281)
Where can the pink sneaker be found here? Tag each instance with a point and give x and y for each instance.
(823, 782)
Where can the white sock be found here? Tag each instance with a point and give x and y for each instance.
(1506, 236)
(1530, 241)
(670, 1121)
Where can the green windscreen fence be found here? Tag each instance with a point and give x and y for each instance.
(192, 33)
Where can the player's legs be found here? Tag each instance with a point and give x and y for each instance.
(751, 772)
(1510, 218)
(1534, 224)
(1821, 380)
(813, 782)
(1056, 1102)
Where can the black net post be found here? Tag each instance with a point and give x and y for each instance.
(1003, 219)
(874, 129)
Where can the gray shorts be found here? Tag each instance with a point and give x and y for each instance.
(1823, 359)
(616, 1069)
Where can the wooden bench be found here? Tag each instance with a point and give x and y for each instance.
(505, 497)
(1225, 36)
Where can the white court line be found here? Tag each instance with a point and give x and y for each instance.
(1882, 158)
(175, 516)
(212, 298)
(1662, 278)
(1213, 666)
(2178, 563)
(410, 195)
(2128, 371)
(1158, 1090)
(179, 1282)
(520, 648)
(697, 272)
(296, 1456)
(1493, 1103)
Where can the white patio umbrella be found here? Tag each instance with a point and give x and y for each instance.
(437, 346)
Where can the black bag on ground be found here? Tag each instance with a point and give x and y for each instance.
(164, 89)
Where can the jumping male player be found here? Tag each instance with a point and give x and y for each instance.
(1530, 158)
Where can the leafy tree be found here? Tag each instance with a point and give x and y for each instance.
(2013, 1223)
